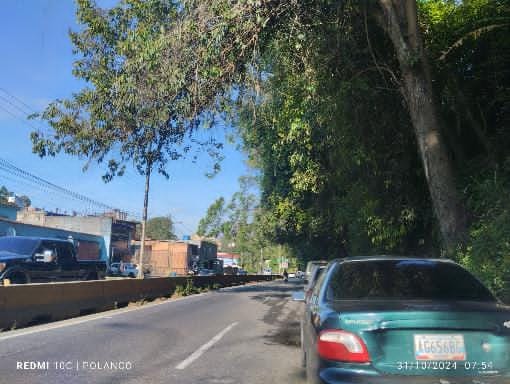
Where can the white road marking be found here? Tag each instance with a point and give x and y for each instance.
(200, 351)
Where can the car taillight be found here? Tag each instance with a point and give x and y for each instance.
(334, 344)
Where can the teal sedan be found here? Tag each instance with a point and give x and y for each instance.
(404, 320)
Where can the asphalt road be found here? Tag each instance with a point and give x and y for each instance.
(247, 334)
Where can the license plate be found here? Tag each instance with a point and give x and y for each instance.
(439, 347)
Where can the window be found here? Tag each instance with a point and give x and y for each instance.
(65, 253)
(405, 279)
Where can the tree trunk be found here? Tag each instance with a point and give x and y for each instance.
(400, 23)
(144, 220)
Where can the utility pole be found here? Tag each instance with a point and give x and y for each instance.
(148, 170)
(280, 260)
(261, 262)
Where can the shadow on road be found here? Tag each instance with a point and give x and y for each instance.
(277, 286)
(282, 313)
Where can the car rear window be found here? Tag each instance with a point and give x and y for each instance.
(405, 279)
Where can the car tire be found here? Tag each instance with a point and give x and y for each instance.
(132, 275)
(18, 277)
(92, 276)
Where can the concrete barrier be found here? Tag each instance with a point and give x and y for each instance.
(22, 305)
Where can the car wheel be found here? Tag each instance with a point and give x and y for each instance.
(18, 278)
(132, 275)
(92, 276)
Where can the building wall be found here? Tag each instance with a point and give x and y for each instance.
(99, 226)
(31, 215)
(117, 234)
(8, 212)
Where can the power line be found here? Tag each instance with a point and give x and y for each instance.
(18, 100)
(17, 115)
(14, 170)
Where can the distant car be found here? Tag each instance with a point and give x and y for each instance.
(300, 274)
(404, 320)
(242, 272)
(129, 269)
(314, 277)
(123, 269)
(267, 271)
(310, 265)
(114, 269)
(292, 274)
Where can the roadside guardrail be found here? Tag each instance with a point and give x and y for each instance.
(22, 305)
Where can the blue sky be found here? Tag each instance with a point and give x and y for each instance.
(35, 68)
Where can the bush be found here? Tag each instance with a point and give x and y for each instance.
(487, 254)
(186, 290)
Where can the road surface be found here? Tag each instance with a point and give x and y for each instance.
(247, 334)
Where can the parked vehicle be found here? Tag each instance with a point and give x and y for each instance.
(123, 269)
(38, 259)
(314, 277)
(292, 274)
(309, 267)
(241, 272)
(300, 274)
(404, 320)
(129, 269)
(267, 271)
(114, 269)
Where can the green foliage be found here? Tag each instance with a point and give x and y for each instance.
(136, 107)
(210, 225)
(339, 167)
(160, 228)
(186, 290)
(488, 252)
(469, 43)
(5, 193)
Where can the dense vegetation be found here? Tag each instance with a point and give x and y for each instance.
(332, 135)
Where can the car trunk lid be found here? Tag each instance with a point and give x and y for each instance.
(410, 338)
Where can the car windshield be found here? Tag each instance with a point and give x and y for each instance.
(405, 279)
(18, 245)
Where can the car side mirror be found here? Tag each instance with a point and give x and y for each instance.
(298, 296)
(46, 257)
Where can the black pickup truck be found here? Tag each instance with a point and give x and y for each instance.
(38, 260)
